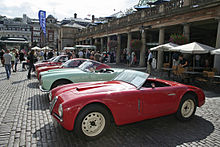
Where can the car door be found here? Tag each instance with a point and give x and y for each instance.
(158, 101)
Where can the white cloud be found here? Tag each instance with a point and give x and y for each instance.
(65, 8)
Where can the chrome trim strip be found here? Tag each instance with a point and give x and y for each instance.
(57, 116)
(171, 94)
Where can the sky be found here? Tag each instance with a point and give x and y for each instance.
(61, 9)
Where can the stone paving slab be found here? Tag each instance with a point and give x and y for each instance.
(25, 121)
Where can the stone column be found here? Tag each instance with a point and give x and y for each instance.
(102, 44)
(118, 49)
(186, 3)
(95, 43)
(186, 31)
(108, 40)
(129, 42)
(90, 41)
(160, 53)
(217, 46)
(143, 49)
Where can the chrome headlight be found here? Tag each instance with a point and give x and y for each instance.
(50, 96)
(60, 110)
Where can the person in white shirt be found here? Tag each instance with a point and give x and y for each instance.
(149, 61)
(80, 54)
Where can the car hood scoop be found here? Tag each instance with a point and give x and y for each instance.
(83, 88)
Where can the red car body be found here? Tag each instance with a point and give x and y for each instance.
(125, 102)
(56, 61)
(46, 68)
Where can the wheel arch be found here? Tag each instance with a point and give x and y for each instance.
(190, 92)
(58, 80)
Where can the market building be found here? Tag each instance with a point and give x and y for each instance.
(198, 20)
(15, 33)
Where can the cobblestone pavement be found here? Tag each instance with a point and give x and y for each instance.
(25, 121)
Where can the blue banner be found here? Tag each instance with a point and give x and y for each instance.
(42, 20)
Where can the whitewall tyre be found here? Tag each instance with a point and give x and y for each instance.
(187, 108)
(92, 122)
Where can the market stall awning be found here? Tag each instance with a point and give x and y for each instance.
(69, 48)
(216, 52)
(36, 48)
(193, 48)
(46, 48)
(164, 47)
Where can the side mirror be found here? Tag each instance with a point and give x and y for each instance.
(153, 85)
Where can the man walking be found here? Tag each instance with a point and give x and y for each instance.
(31, 59)
(7, 58)
(149, 61)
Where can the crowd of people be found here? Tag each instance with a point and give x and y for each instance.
(11, 58)
(104, 57)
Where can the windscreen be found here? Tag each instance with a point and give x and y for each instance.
(133, 77)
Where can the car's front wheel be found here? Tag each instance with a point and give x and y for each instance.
(186, 108)
(92, 122)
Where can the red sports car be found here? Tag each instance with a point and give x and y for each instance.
(58, 60)
(90, 108)
(68, 64)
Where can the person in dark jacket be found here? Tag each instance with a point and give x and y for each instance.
(50, 54)
(21, 56)
(31, 60)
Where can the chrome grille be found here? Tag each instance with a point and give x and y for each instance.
(52, 104)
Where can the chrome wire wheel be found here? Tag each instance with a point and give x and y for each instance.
(187, 108)
(93, 124)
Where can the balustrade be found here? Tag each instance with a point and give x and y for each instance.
(139, 16)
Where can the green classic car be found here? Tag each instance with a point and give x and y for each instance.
(87, 72)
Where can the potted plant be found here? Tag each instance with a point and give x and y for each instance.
(179, 39)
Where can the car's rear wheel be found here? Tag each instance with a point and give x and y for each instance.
(187, 107)
(59, 83)
(92, 122)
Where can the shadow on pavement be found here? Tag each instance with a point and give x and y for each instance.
(17, 82)
(164, 131)
(33, 85)
(38, 102)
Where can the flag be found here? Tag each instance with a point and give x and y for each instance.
(42, 20)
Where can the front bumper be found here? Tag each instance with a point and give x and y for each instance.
(43, 90)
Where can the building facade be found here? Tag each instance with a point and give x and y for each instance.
(12, 31)
(198, 20)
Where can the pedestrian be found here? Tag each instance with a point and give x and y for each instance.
(45, 55)
(80, 54)
(31, 60)
(21, 56)
(7, 58)
(1, 57)
(128, 58)
(182, 61)
(16, 60)
(132, 58)
(13, 59)
(97, 56)
(149, 61)
(50, 54)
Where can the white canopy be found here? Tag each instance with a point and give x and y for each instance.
(216, 52)
(164, 47)
(69, 48)
(36, 48)
(193, 48)
(46, 48)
